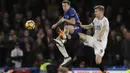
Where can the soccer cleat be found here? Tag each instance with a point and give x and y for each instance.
(66, 61)
(61, 33)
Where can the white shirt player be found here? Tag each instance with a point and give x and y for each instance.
(98, 24)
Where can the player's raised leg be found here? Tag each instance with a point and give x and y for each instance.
(70, 18)
(62, 49)
(60, 40)
(82, 37)
(69, 30)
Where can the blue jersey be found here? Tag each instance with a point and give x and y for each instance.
(71, 13)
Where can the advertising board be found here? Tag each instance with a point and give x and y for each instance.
(80, 70)
(83, 71)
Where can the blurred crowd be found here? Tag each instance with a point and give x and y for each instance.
(20, 47)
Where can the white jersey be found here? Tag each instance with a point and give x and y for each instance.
(98, 24)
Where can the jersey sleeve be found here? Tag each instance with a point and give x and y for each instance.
(72, 13)
(106, 23)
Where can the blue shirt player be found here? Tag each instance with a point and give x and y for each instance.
(70, 18)
(72, 26)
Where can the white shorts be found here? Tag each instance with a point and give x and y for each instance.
(99, 49)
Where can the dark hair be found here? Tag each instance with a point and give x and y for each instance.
(66, 1)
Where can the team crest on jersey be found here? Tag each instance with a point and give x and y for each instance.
(67, 16)
(98, 27)
(72, 15)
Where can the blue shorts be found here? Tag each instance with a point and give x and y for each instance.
(77, 29)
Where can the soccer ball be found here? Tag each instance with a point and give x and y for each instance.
(30, 24)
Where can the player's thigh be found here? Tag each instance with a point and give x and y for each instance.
(98, 59)
(70, 28)
(82, 36)
(99, 48)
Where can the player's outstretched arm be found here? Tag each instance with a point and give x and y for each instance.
(87, 26)
(59, 22)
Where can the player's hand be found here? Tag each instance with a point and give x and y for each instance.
(62, 20)
(54, 26)
(98, 39)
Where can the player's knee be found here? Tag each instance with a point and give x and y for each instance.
(71, 31)
(65, 27)
(98, 62)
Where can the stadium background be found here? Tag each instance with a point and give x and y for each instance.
(37, 44)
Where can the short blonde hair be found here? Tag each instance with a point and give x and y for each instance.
(99, 7)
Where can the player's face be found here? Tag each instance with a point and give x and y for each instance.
(65, 6)
(98, 12)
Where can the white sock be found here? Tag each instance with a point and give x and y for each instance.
(62, 50)
(63, 41)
